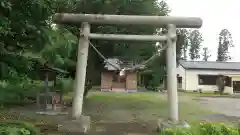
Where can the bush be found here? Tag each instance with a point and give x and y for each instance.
(65, 85)
(18, 93)
(202, 129)
(181, 90)
(18, 128)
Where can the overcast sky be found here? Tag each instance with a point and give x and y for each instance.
(216, 15)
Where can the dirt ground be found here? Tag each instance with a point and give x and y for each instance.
(111, 113)
(121, 116)
(137, 113)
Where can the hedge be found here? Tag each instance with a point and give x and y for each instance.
(18, 128)
(203, 129)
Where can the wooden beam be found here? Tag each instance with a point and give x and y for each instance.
(180, 22)
(129, 37)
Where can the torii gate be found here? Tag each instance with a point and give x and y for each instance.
(161, 21)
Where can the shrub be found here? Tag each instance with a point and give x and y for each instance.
(65, 85)
(181, 90)
(18, 128)
(203, 129)
(217, 129)
(18, 93)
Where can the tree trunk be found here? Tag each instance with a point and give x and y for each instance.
(220, 84)
(61, 97)
(87, 89)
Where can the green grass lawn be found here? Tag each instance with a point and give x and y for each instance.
(138, 107)
(128, 112)
(145, 109)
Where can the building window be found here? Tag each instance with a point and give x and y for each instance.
(228, 81)
(179, 79)
(207, 79)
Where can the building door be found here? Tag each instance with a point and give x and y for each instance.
(236, 86)
(179, 84)
(118, 83)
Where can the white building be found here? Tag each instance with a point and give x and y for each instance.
(195, 75)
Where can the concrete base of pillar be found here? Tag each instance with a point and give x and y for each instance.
(51, 113)
(163, 124)
(131, 90)
(106, 90)
(55, 110)
(80, 125)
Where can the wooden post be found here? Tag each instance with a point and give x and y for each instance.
(38, 101)
(46, 91)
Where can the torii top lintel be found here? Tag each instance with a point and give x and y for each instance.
(180, 22)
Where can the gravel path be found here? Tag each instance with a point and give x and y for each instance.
(225, 106)
(224, 109)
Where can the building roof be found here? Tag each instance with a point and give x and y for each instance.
(210, 65)
(119, 64)
(114, 61)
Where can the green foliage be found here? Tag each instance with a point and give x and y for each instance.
(29, 38)
(18, 128)
(28, 35)
(225, 42)
(25, 29)
(157, 76)
(60, 47)
(206, 54)
(203, 129)
(64, 85)
(158, 64)
(182, 43)
(19, 93)
(195, 40)
(133, 51)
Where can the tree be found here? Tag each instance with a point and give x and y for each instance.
(32, 31)
(206, 54)
(224, 43)
(195, 39)
(28, 38)
(134, 51)
(182, 43)
(158, 65)
(220, 82)
(59, 48)
(24, 33)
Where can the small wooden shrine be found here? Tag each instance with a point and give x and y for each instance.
(111, 80)
(49, 99)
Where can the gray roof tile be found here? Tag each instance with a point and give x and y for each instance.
(210, 65)
(120, 64)
(114, 61)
